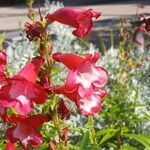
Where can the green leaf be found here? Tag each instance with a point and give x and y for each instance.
(30, 2)
(56, 70)
(146, 115)
(72, 147)
(104, 131)
(85, 141)
(92, 148)
(2, 145)
(108, 136)
(143, 139)
(2, 38)
(124, 129)
(127, 147)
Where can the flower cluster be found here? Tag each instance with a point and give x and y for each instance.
(85, 82)
(19, 92)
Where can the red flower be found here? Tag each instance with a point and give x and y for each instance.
(147, 24)
(85, 81)
(3, 58)
(21, 90)
(10, 146)
(25, 130)
(3, 113)
(34, 31)
(63, 110)
(64, 137)
(76, 17)
(44, 81)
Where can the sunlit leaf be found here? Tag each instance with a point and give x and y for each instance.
(127, 147)
(108, 136)
(30, 2)
(146, 115)
(143, 139)
(2, 38)
(104, 131)
(72, 147)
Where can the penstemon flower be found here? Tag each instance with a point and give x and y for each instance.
(21, 90)
(25, 130)
(85, 81)
(78, 18)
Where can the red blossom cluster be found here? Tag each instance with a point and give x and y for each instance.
(85, 83)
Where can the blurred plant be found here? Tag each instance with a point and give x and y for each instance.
(124, 118)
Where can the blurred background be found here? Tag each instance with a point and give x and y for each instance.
(69, 2)
(13, 14)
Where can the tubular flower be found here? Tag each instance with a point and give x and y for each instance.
(85, 81)
(21, 90)
(76, 17)
(25, 130)
(3, 58)
(34, 31)
(147, 24)
(10, 146)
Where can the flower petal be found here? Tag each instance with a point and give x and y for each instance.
(3, 58)
(71, 61)
(10, 146)
(21, 94)
(63, 110)
(29, 72)
(88, 104)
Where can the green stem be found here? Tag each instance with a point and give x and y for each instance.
(91, 130)
(57, 123)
